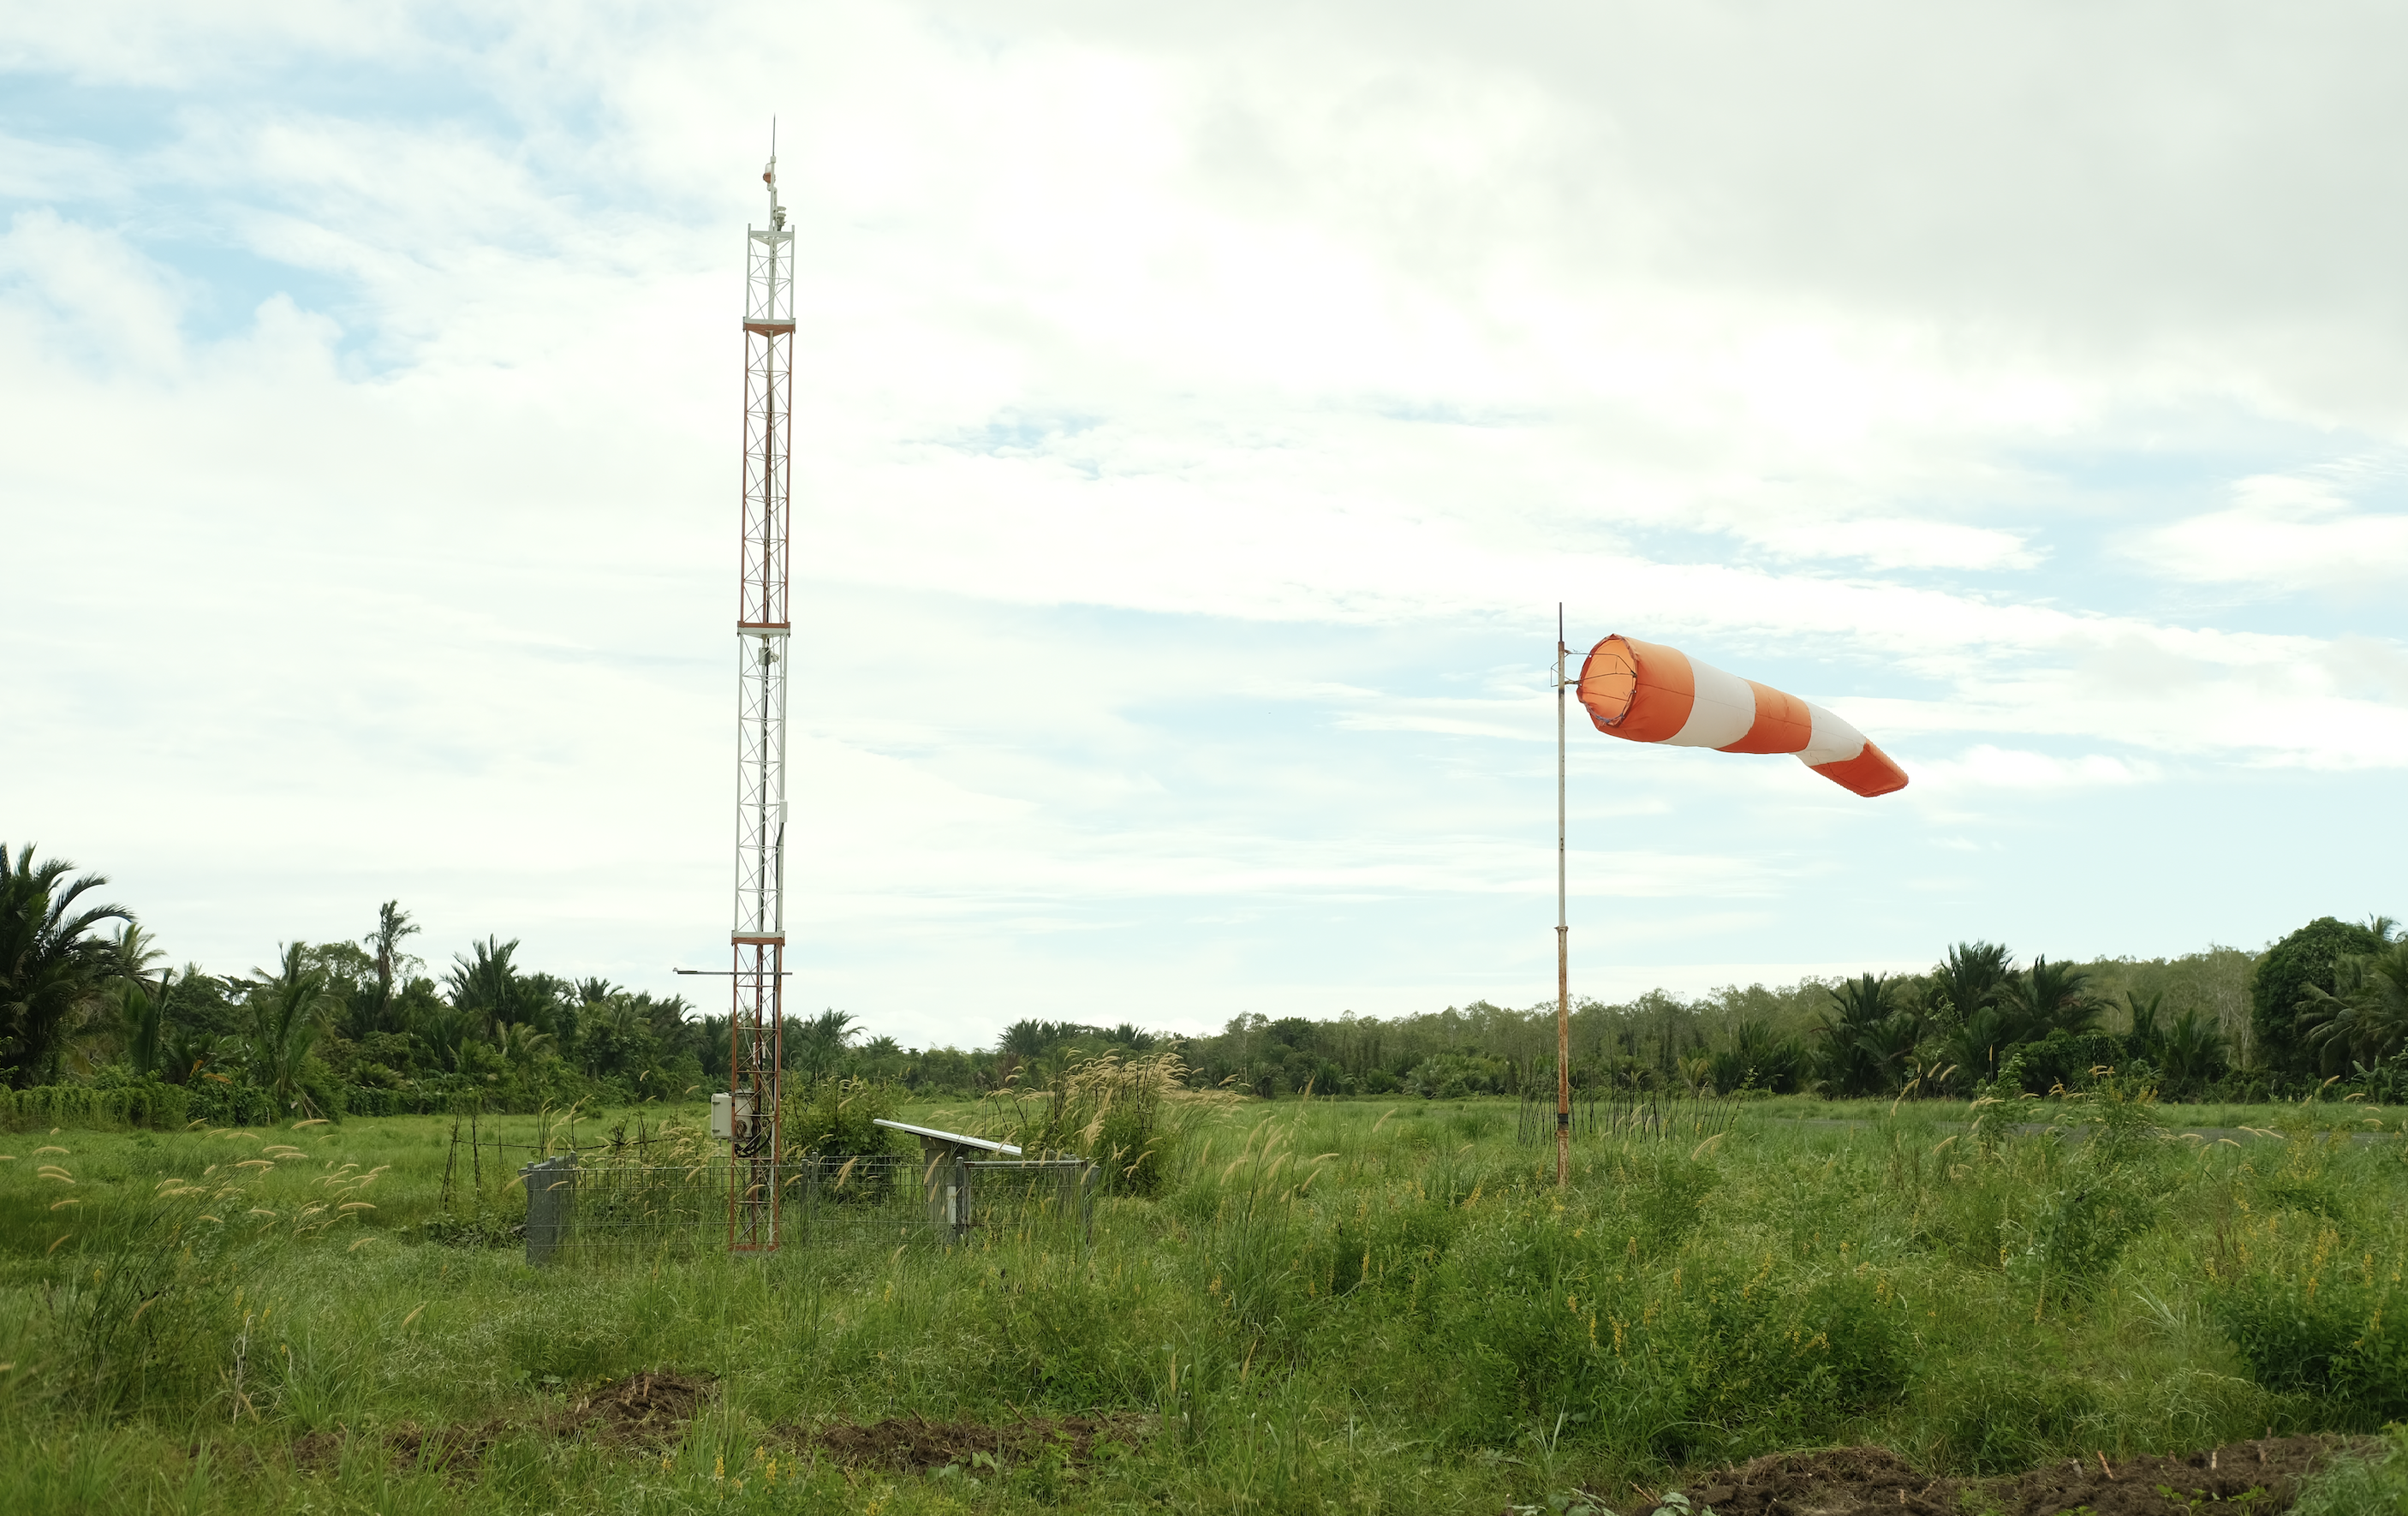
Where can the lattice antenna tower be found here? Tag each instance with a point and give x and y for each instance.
(758, 941)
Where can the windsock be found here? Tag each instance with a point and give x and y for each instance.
(1645, 692)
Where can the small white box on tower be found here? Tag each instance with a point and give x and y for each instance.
(731, 1114)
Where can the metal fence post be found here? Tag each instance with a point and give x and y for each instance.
(551, 1203)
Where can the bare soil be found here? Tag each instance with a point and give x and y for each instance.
(645, 1410)
(912, 1444)
(649, 1409)
(2261, 1478)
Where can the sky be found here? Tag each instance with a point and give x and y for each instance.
(1201, 415)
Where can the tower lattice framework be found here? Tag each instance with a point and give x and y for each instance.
(758, 941)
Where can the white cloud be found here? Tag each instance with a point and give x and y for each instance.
(1985, 767)
(1190, 402)
(2290, 532)
(1901, 543)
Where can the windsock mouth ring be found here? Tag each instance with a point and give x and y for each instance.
(1609, 680)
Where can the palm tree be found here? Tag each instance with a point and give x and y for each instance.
(139, 1021)
(2368, 1019)
(818, 1043)
(1759, 1058)
(392, 963)
(182, 1052)
(1035, 1039)
(1851, 1066)
(130, 953)
(287, 1011)
(1971, 978)
(1976, 1046)
(49, 962)
(1892, 1046)
(667, 1018)
(2191, 1050)
(522, 1047)
(2048, 997)
(446, 1031)
(614, 1035)
(2145, 1036)
(491, 985)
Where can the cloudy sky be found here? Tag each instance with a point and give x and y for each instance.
(1202, 412)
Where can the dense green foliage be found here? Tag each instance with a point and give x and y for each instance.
(50, 962)
(340, 1028)
(2309, 957)
(2365, 1017)
(1372, 1306)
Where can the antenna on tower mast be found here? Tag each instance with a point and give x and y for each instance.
(757, 1029)
(769, 177)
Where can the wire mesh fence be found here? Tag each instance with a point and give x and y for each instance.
(1032, 1198)
(1535, 1120)
(583, 1206)
(830, 1202)
(1629, 1113)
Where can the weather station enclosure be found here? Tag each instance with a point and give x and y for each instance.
(659, 1195)
(653, 1194)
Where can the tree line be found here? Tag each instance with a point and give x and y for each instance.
(328, 1028)
(2327, 1003)
(362, 1026)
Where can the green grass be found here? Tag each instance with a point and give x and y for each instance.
(1375, 1305)
(2355, 1486)
(2306, 1115)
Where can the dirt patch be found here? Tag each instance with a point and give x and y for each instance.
(449, 1450)
(2259, 1478)
(646, 1408)
(318, 1450)
(910, 1444)
(646, 1411)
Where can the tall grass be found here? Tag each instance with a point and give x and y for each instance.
(1128, 1115)
(1322, 1303)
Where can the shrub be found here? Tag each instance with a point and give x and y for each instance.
(1669, 1206)
(1999, 1417)
(2309, 1318)
(839, 1118)
(1455, 1076)
(2080, 1232)
(1707, 1359)
(1112, 1110)
(2065, 1059)
(134, 1103)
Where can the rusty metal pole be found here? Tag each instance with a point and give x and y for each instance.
(1563, 944)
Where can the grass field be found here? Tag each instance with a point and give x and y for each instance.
(1332, 1306)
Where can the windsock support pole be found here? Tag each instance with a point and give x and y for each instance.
(1563, 943)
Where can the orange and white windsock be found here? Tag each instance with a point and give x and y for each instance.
(1645, 692)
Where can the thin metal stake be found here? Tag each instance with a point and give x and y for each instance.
(1563, 943)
